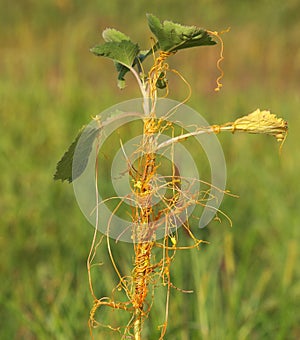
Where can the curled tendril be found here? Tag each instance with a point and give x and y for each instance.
(221, 58)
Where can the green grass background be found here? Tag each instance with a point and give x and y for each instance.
(247, 281)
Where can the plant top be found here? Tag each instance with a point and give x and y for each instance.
(170, 37)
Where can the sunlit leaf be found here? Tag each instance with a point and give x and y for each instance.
(123, 52)
(111, 34)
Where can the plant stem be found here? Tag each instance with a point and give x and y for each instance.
(137, 324)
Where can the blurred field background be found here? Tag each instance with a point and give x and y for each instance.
(247, 281)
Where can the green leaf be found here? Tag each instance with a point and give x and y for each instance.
(111, 34)
(172, 36)
(65, 169)
(123, 52)
(122, 70)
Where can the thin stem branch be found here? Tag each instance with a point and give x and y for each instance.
(184, 136)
